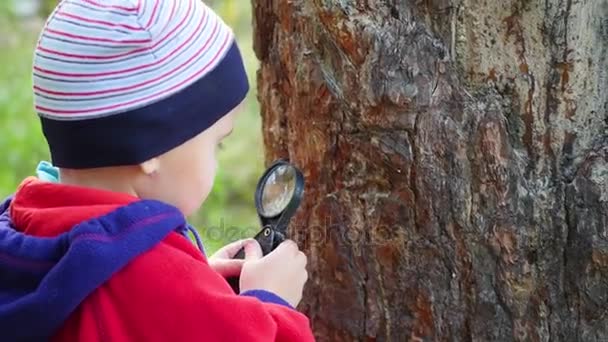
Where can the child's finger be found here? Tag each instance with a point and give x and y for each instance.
(286, 248)
(253, 251)
(228, 267)
(230, 250)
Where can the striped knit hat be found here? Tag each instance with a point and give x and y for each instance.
(118, 82)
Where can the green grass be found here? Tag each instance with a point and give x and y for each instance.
(229, 211)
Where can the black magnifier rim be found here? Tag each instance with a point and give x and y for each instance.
(294, 203)
(296, 197)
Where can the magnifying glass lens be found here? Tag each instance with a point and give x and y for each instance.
(278, 190)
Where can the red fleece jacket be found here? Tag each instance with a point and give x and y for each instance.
(169, 293)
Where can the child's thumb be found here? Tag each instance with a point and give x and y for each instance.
(253, 251)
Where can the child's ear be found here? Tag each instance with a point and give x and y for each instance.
(150, 167)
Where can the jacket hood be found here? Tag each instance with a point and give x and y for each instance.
(59, 243)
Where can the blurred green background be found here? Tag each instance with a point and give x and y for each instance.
(229, 212)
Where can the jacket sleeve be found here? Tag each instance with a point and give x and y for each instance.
(171, 294)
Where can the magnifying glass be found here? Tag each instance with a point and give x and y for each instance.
(277, 197)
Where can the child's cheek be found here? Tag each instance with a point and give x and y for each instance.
(212, 169)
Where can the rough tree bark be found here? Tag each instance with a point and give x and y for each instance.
(456, 156)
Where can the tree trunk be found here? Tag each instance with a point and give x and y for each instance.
(456, 158)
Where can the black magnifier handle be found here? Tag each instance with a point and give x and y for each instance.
(277, 239)
(266, 238)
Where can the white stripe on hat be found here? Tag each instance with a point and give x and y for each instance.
(98, 58)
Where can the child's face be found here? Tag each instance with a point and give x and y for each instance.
(184, 176)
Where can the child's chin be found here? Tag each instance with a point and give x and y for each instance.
(192, 207)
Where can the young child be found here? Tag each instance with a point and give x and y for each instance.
(134, 97)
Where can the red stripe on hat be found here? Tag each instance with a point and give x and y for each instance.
(172, 13)
(141, 84)
(72, 55)
(152, 15)
(97, 39)
(124, 54)
(136, 68)
(100, 22)
(139, 100)
(122, 8)
(171, 16)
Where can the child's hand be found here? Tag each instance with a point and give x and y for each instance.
(222, 261)
(282, 272)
